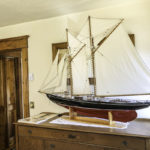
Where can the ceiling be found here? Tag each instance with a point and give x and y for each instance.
(19, 11)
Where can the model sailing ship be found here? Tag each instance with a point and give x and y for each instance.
(103, 51)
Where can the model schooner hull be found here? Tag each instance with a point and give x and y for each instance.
(122, 111)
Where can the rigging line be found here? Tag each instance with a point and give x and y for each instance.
(105, 38)
(108, 60)
(78, 52)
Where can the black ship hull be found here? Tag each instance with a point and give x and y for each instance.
(98, 104)
(122, 111)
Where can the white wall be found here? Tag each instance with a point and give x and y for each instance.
(45, 32)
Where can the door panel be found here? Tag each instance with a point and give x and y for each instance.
(2, 108)
(10, 98)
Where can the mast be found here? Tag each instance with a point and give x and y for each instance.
(70, 68)
(92, 55)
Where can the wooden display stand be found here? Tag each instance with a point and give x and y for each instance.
(73, 116)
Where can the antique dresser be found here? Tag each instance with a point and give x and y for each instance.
(48, 136)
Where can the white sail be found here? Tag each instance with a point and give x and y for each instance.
(80, 74)
(74, 44)
(84, 37)
(52, 74)
(119, 69)
(79, 66)
(62, 87)
(100, 28)
(60, 78)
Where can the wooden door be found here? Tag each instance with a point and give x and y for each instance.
(9, 99)
(2, 108)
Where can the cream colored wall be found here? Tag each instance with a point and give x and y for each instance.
(45, 32)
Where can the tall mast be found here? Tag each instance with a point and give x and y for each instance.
(70, 68)
(92, 54)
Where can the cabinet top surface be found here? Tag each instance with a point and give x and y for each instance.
(136, 128)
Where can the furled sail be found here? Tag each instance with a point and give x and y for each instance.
(119, 69)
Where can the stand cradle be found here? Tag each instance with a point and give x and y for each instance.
(73, 116)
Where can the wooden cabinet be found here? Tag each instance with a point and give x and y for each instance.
(48, 136)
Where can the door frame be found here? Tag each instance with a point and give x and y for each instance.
(21, 43)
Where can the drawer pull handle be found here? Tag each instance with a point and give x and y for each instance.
(70, 136)
(125, 143)
(29, 131)
(52, 145)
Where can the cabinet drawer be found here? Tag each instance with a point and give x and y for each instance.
(59, 145)
(29, 143)
(122, 142)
